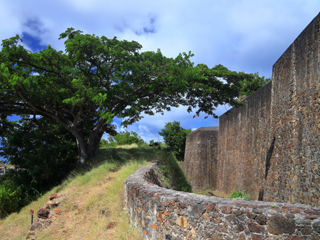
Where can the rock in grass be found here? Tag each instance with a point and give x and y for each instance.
(43, 213)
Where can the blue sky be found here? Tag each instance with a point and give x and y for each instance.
(242, 35)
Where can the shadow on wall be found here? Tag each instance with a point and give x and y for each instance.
(270, 145)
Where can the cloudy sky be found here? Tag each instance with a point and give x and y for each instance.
(242, 35)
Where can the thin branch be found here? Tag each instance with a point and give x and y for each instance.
(37, 109)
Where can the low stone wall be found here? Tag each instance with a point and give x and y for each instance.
(167, 214)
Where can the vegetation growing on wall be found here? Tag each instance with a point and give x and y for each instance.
(239, 194)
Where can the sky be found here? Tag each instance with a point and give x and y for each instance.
(242, 35)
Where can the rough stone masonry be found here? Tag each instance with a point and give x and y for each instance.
(270, 146)
(162, 213)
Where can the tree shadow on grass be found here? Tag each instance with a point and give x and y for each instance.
(119, 156)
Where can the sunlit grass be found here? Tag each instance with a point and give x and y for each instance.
(2, 165)
(83, 195)
(133, 145)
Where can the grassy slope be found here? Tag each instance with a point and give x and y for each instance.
(83, 195)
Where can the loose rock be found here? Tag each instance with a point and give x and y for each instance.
(43, 213)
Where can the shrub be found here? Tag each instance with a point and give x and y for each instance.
(239, 194)
(14, 195)
(10, 198)
(43, 153)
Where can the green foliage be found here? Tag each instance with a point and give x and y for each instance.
(239, 194)
(10, 198)
(219, 85)
(13, 196)
(126, 137)
(43, 154)
(122, 138)
(173, 172)
(175, 138)
(103, 142)
(97, 79)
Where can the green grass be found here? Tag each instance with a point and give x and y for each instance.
(87, 190)
(174, 176)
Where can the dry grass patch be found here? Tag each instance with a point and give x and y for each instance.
(82, 216)
(133, 145)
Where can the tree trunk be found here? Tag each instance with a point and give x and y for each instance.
(88, 149)
(82, 150)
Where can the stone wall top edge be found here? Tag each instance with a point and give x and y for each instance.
(216, 128)
(317, 18)
(138, 180)
(249, 98)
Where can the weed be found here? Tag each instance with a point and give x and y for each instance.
(239, 194)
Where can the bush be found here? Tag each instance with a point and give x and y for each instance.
(15, 196)
(10, 198)
(239, 194)
(103, 142)
(44, 153)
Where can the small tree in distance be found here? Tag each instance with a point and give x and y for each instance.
(123, 138)
(175, 137)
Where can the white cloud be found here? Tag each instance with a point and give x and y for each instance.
(150, 126)
(243, 35)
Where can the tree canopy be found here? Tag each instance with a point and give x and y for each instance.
(97, 79)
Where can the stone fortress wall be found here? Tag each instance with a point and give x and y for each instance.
(270, 146)
(161, 213)
(243, 144)
(202, 144)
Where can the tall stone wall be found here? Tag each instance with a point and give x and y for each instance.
(270, 146)
(243, 144)
(294, 174)
(200, 161)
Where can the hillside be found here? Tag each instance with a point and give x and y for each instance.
(90, 200)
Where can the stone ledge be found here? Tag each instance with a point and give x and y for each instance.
(167, 214)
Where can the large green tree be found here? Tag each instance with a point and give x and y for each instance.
(97, 79)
